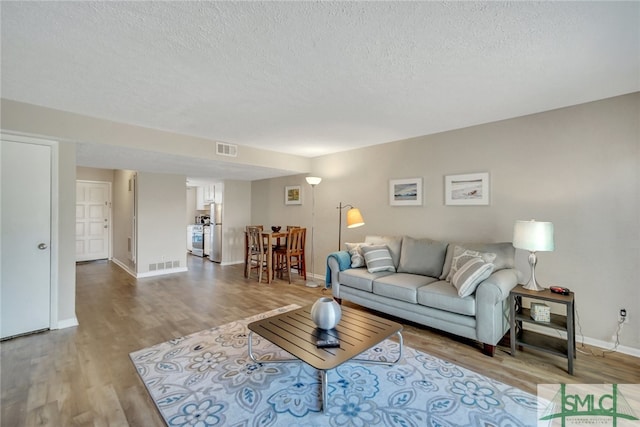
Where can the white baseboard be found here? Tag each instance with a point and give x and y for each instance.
(609, 346)
(123, 266)
(603, 345)
(231, 263)
(161, 272)
(316, 276)
(67, 323)
(148, 273)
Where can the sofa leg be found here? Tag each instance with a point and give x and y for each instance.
(338, 300)
(489, 349)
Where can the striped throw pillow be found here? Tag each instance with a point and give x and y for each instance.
(378, 258)
(461, 256)
(467, 278)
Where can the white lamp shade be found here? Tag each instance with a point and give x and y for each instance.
(354, 218)
(533, 236)
(313, 180)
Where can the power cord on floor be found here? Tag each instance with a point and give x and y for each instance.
(604, 352)
(582, 349)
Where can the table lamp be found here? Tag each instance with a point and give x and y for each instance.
(533, 236)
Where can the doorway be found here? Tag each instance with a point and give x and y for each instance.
(93, 220)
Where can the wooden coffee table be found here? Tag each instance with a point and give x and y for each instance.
(295, 333)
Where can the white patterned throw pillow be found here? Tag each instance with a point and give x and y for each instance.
(357, 257)
(461, 256)
(468, 277)
(378, 258)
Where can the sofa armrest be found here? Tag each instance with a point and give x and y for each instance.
(496, 287)
(336, 262)
(492, 314)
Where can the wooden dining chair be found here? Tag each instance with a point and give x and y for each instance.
(292, 256)
(247, 245)
(257, 252)
(282, 245)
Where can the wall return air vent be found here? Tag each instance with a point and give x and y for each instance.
(224, 149)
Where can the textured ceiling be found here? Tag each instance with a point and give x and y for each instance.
(311, 78)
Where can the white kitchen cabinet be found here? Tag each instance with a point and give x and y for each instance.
(209, 193)
(199, 198)
(205, 195)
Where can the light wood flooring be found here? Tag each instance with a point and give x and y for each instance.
(82, 376)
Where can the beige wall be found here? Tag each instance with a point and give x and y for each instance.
(94, 174)
(36, 120)
(191, 211)
(160, 201)
(66, 233)
(577, 167)
(161, 207)
(235, 216)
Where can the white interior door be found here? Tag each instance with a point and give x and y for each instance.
(93, 209)
(25, 289)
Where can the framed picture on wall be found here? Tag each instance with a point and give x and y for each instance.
(292, 195)
(467, 189)
(405, 192)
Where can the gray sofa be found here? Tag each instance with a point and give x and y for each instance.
(419, 286)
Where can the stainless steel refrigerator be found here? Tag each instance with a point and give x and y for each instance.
(215, 254)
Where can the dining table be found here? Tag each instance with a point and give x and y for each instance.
(271, 240)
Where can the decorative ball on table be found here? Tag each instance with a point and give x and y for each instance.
(326, 313)
(275, 228)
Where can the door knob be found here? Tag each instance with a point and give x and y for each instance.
(42, 246)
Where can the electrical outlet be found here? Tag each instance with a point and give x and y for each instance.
(623, 316)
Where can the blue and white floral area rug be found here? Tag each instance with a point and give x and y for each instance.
(207, 379)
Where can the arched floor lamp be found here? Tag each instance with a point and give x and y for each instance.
(354, 219)
(312, 181)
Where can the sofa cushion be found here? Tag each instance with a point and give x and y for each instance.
(443, 296)
(462, 255)
(378, 258)
(355, 251)
(394, 243)
(422, 256)
(401, 286)
(360, 278)
(505, 255)
(469, 276)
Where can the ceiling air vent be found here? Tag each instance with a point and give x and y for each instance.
(223, 149)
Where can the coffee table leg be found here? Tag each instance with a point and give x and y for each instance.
(325, 398)
(250, 339)
(253, 356)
